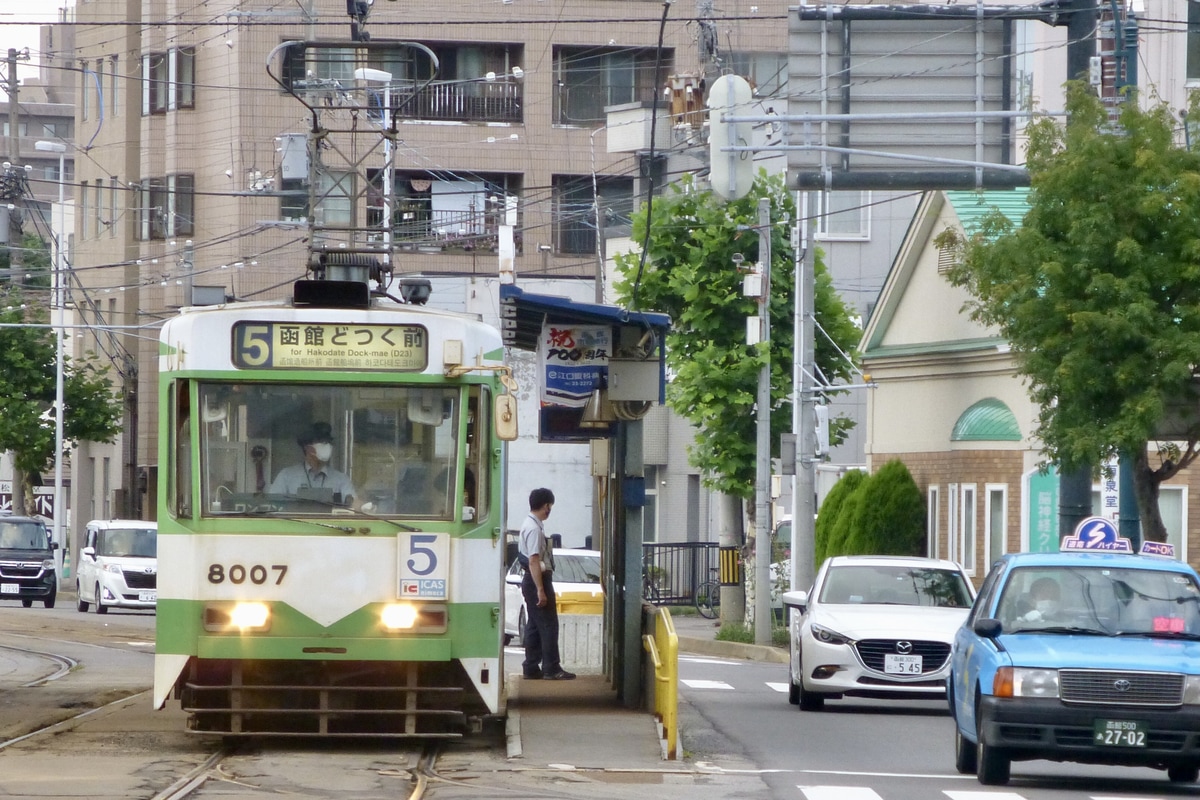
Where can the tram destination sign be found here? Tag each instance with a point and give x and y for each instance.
(319, 345)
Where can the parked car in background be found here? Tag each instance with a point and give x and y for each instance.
(27, 561)
(875, 626)
(118, 565)
(1089, 657)
(576, 580)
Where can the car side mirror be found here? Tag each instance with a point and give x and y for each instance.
(796, 600)
(90, 552)
(988, 627)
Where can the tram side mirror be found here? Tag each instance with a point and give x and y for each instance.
(505, 416)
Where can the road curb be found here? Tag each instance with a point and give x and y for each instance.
(748, 652)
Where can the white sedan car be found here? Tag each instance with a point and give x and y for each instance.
(576, 573)
(875, 626)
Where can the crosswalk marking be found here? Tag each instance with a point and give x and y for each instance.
(779, 687)
(839, 793)
(955, 794)
(695, 684)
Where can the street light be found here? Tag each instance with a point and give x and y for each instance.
(58, 223)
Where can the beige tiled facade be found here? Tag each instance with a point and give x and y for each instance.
(227, 135)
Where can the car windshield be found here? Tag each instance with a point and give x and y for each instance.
(895, 585)
(131, 542)
(570, 568)
(1108, 601)
(23, 536)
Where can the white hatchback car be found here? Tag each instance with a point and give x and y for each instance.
(875, 626)
(118, 565)
(576, 572)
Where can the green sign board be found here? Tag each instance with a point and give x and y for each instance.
(1043, 510)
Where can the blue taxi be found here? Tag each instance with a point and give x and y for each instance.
(1088, 655)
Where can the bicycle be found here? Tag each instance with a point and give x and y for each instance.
(650, 591)
(708, 598)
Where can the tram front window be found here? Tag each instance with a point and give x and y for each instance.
(329, 449)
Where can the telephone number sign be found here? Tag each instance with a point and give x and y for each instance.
(314, 345)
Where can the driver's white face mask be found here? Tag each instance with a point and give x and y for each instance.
(323, 451)
(1047, 606)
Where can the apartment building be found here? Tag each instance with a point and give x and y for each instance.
(192, 121)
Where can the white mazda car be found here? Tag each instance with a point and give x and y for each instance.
(875, 626)
(576, 576)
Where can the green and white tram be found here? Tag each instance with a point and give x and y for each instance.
(330, 545)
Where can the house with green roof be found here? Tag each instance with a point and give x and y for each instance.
(948, 402)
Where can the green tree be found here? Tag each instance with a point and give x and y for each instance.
(1098, 290)
(690, 274)
(33, 261)
(887, 515)
(838, 502)
(28, 370)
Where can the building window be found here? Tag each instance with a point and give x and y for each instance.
(591, 78)
(932, 546)
(650, 510)
(334, 190)
(1193, 42)
(168, 80)
(995, 536)
(966, 530)
(844, 215)
(112, 205)
(84, 80)
(767, 72)
(83, 207)
(183, 78)
(114, 89)
(166, 207)
(293, 199)
(98, 206)
(575, 210)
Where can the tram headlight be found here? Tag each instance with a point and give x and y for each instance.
(399, 616)
(249, 616)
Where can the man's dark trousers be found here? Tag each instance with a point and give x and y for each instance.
(540, 636)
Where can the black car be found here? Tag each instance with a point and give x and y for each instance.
(27, 561)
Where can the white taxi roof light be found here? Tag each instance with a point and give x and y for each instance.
(249, 615)
(399, 616)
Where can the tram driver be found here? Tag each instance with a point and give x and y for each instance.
(313, 477)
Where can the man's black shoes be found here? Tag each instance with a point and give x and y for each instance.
(533, 676)
(561, 675)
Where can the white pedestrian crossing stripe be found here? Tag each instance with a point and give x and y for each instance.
(779, 687)
(839, 793)
(695, 684)
(828, 792)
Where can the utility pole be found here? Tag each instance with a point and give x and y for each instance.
(1075, 487)
(762, 473)
(804, 483)
(14, 139)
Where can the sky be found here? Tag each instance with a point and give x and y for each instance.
(17, 30)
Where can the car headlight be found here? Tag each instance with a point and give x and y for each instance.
(48, 564)
(823, 634)
(1025, 682)
(115, 569)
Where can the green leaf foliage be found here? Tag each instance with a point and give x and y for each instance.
(886, 515)
(836, 503)
(690, 274)
(28, 369)
(1098, 290)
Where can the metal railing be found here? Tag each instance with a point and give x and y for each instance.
(672, 571)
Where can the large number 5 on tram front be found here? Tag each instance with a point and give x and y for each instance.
(254, 345)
